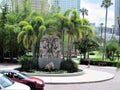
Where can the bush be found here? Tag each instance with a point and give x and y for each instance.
(28, 63)
(99, 62)
(118, 65)
(69, 66)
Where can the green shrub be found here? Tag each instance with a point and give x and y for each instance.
(118, 65)
(69, 66)
(28, 63)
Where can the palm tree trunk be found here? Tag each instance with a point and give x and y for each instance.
(33, 50)
(63, 44)
(104, 50)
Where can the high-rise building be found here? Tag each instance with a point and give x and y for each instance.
(5, 2)
(40, 5)
(117, 13)
(68, 4)
(9, 3)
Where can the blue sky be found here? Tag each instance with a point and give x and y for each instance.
(96, 14)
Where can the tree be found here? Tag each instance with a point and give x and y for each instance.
(81, 28)
(3, 21)
(84, 12)
(111, 49)
(87, 44)
(39, 29)
(63, 26)
(27, 36)
(74, 32)
(106, 4)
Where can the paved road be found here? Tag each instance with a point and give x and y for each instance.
(113, 84)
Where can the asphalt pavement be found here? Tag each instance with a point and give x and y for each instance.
(109, 84)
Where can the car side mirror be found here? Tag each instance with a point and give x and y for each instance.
(0, 88)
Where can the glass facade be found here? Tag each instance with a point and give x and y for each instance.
(117, 13)
(68, 4)
(41, 5)
(7, 2)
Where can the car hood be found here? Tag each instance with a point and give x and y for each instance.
(18, 86)
(36, 79)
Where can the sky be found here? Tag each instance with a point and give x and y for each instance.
(96, 14)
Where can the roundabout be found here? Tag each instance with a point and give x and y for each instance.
(87, 76)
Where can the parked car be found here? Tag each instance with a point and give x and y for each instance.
(7, 84)
(33, 82)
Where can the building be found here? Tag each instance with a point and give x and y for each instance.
(99, 31)
(68, 4)
(5, 2)
(40, 5)
(117, 13)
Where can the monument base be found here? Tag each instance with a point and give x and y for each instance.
(42, 62)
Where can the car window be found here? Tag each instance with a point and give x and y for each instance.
(8, 74)
(5, 82)
(23, 75)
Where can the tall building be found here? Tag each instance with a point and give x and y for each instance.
(41, 5)
(117, 13)
(5, 2)
(68, 4)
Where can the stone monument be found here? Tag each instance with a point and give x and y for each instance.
(50, 51)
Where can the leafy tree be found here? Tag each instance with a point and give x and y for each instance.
(87, 44)
(3, 21)
(106, 4)
(111, 49)
(55, 9)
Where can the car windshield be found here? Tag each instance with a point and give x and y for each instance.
(5, 82)
(23, 75)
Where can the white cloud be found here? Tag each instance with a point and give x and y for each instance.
(96, 14)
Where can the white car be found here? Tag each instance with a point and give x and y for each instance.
(7, 84)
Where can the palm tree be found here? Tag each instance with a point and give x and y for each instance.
(78, 29)
(84, 12)
(27, 36)
(63, 25)
(106, 4)
(86, 28)
(74, 32)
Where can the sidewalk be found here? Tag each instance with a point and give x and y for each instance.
(9, 66)
(92, 74)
